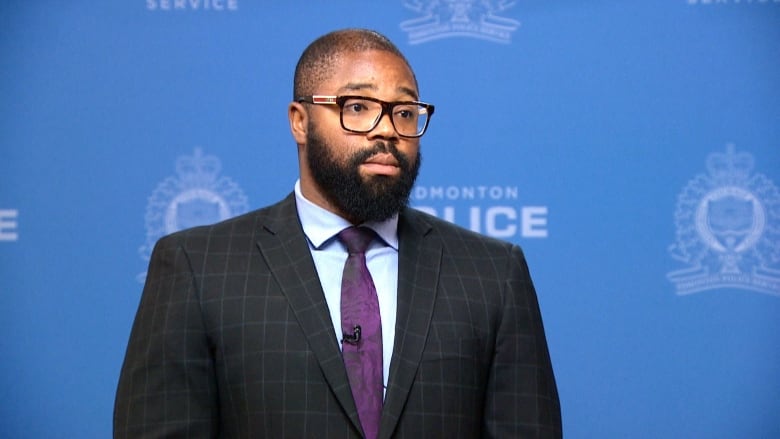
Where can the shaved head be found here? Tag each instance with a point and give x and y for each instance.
(316, 63)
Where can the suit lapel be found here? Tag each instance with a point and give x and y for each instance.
(419, 261)
(285, 250)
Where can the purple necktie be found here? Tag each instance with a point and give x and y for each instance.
(362, 328)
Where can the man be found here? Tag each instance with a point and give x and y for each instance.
(268, 324)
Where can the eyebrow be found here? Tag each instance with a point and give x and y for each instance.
(368, 86)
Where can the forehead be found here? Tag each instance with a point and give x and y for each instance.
(376, 72)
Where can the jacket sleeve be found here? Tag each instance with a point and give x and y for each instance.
(167, 386)
(521, 398)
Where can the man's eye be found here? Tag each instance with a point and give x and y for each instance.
(354, 107)
(405, 112)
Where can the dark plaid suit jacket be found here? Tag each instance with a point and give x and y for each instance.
(233, 339)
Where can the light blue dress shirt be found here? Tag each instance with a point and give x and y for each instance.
(321, 227)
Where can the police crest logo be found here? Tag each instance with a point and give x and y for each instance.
(197, 196)
(728, 228)
(459, 18)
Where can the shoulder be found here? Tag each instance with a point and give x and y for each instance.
(244, 226)
(462, 252)
(453, 237)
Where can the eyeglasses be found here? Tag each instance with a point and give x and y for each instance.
(361, 114)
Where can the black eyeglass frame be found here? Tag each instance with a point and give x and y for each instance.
(387, 108)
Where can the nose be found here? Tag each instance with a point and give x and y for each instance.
(384, 128)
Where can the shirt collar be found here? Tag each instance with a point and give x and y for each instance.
(320, 225)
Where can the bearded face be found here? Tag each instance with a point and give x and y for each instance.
(361, 199)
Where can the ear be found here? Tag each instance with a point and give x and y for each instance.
(299, 121)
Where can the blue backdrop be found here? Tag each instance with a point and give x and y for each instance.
(631, 148)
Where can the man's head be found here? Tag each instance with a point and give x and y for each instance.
(318, 61)
(358, 171)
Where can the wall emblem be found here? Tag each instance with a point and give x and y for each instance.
(728, 228)
(459, 18)
(197, 196)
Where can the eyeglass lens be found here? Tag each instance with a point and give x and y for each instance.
(363, 115)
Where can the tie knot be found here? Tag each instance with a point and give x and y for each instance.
(357, 239)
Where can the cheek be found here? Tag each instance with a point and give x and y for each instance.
(409, 149)
(331, 142)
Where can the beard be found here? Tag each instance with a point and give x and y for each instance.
(373, 198)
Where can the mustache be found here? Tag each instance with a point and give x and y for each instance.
(382, 147)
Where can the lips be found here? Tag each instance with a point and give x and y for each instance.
(382, 159)
(384, 164)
